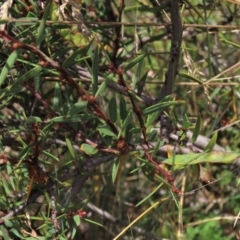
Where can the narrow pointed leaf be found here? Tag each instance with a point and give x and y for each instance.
(134, 62)
(41, 29)
(152, 118)
(88, 149)
(95, 71)
(4, 21)
(197, 129)
(33, 119)
(188, 76)
(72, 118)
(74, 57)
(137, 73)
(112, 109)
(77, 108)
(106, 130)
(57, 100)
(8, 66)
(70, 147)
(211, 143)
(230, 43)
(160, 106)
(30, 74)
(126, 122)
(102, 86)
(141, 83)
(181, 161)
(115, 170)
(123, 109)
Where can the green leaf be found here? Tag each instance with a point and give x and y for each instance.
(230, 43)
(88, 149)
(149, 195)
(73, 233)
(197, 129)
(41, 29)
(70, 147)
(9, 91)
(33, 119)
(4, 233)
(141, 83)
(57, 99)
(8, 223)
(123, 109)
(53, 157)
(186, 123)
(134, 62)
(136, 130)
(106, 130)
(8, 66)
(112, 109)
(211, 143)
(36, 82)
(137, 73)
(199, 14)
(160, 143)
(115, 169)
(4, 21)
(53, 11)
(181, 161)
(16, 233)
(62, 52)
(152, 118)
(73, 58)
(186, 75)
(160, 106)
(25, 151)
(29, 21)
(125, 124)
(103, 85)
(107, 140)
(77, 220)
(67, 119)
(30, 74)
(92, 222)
(152, 136)
(77, 108)
(38, 238)
(95, 64)
(78, 39)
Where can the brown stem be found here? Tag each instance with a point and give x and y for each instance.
(64, 74)
(162, 171)
(176, 25)
(116, 41)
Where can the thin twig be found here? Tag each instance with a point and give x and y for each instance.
(132, 24)
(176, 24)
(46, 61)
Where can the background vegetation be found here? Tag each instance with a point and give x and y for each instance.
(84, 89)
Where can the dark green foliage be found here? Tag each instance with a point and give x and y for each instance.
(80, 111)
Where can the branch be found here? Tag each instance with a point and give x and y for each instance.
(80, 175)
(48, 62)
(176, 25)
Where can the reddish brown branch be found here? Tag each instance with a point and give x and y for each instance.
(46, 61)
(167, 176)
(116, 41)
(176, 39)
(136, 110)
(65, 126)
